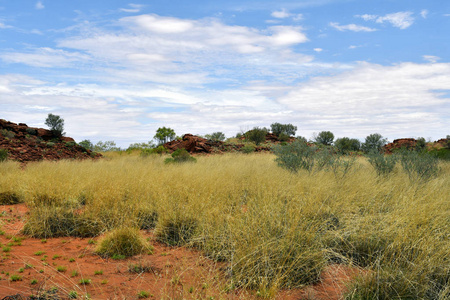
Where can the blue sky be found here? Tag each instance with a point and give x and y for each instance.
(118, 70)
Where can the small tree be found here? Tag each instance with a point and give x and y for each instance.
(164, 135)
(106, 146)
(87, 144)
(373, 142)
(287, 129)
(346, 144)
(325, 138)
(56, 124)
(256, 135)
(216, 136)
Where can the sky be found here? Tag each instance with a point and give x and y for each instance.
(118, 70)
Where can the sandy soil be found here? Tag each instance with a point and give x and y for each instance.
(62, 265)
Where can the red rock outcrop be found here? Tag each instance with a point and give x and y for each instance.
(25, 144)
(196, 144)
(400, 144)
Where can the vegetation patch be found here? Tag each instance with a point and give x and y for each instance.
(124, 241)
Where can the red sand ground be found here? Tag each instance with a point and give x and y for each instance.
(174, 272)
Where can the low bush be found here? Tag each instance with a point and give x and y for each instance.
(180, 156)
(247, 149)
(383, 164)
(295, 156)
(125, 241)
(419, 166)
(3, 155)
(7, 133)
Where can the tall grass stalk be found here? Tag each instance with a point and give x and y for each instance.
(273, 228)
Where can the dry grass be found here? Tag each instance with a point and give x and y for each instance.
(275, 229)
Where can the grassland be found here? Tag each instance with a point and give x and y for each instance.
(274, 229)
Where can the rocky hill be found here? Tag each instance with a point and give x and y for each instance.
(26, 144)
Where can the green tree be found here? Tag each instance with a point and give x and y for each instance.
(325, 138)
(373, 142)
(421, 144)
(106, 146)
(56, 124)
(164, 135)
(346, 144)
(216, 136)
(256, 135)
(287, 129)
(86, 144)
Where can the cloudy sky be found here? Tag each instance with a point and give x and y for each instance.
(118, 70)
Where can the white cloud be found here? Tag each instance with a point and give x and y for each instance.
(133, 8)
(424, 13)
(318, 49)
(39, 5)
(397, 100)
(431, 58)
(351, 27)
(280, 14)
(182, 51)
(44, 57)
(283, 14)
(4, 26)
(402, 20)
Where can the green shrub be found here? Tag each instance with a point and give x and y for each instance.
(3, 154)
(247, 149)
(216, 136)
(180, 156)
(50, 144)
(283, 137)
(421, 144)
(124, 241)
(443, 153)
(256, 135)
(345, 145)
(31, 131)
(286, 129)
(159, 150)
(373, 142)
(8, 133)
(325, 138)
(295, 156)
(176, 231)
(419, 166)
(383, 164)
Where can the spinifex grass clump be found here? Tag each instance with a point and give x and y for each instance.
(125, 241)
(176, 230)
(271, 228)
(58, 221)
(9, 198)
